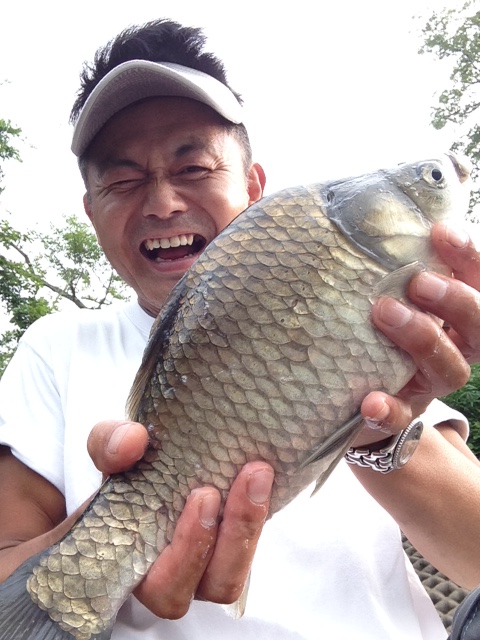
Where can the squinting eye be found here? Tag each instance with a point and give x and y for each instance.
(125, 184)
(194, 169)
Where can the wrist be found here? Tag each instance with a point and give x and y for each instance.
(388, 455)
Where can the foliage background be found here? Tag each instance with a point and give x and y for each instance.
(467, 401)
(453, 35)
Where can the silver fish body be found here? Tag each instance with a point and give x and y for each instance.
(264, 350)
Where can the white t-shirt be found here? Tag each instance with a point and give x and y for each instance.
(331, 566)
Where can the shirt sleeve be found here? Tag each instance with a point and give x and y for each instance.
(31, 418)
(438, 412)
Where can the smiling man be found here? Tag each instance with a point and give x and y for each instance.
(164, 177)
(167, 165)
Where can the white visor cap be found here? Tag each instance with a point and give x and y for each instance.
(135, 80)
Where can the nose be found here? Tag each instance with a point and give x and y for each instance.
(163, 199)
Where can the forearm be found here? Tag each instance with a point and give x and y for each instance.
(14, 552)
(435, 499)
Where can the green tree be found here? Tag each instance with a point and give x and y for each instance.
(7, 150)
(43, 272)
(467, 401)
(454, 35)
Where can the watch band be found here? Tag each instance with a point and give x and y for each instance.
(394, 455)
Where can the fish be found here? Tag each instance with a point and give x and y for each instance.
(264, 350)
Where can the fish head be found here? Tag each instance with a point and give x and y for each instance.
(389, 214)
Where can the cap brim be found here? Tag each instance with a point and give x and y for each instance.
(135, 80)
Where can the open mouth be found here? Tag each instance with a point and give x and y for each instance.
(174, 248)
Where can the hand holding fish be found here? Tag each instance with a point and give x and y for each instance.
(442, 355)
(442, 462)
(206, 558)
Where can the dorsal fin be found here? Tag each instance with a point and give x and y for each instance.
(158, 337)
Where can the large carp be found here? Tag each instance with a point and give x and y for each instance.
(264, 350)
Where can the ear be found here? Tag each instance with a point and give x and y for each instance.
(256, 183)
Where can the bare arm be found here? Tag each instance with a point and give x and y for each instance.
(32, 513)
(435, 499)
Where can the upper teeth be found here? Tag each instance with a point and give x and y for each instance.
(166, 243)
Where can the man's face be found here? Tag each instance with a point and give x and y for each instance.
(164, 178)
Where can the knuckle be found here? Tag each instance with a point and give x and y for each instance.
(226, 592)
(252, 529)
(232, 593)
(463, 375)
(245, 526)
(174, 608)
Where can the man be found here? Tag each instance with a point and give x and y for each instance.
(167, 164)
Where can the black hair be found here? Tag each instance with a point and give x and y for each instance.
(160, 40)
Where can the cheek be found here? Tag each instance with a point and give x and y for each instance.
(109, 235)
(109, 222)
(230, 204)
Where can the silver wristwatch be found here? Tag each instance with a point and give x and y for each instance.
(394, 455)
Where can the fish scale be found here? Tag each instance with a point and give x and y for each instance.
(264, 350)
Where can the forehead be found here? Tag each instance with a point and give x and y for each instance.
(176, 124)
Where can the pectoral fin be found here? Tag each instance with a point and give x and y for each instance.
(395, 283)
(336, 441)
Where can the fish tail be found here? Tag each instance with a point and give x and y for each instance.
(22, 619)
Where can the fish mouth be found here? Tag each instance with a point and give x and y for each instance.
(462, 164)
(177, 247)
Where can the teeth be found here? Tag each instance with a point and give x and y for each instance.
(165, 243)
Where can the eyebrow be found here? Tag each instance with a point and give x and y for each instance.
(196, 144)
(116, 163)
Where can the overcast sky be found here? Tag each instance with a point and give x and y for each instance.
(331, 88)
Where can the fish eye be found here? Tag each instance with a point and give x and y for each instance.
(433, 175)
(330, 195)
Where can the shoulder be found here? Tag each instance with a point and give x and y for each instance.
(89, 324)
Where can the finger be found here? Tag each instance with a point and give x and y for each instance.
(172, 581)
(115, 446)
(442, 367)
(384, 416)
(456, 303)
(458, 251)
(244, 515)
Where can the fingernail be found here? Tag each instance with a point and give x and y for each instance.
(458, 238)
(208, 509)
(393, 313)
(117, 437)
(259, 486)
(430, 287)
(376, 422)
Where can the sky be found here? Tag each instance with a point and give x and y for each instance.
(331, 89)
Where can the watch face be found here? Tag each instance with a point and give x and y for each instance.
(407, 452)
(407, 445)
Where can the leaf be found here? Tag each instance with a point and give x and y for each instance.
(454, 35)
(41, 272)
